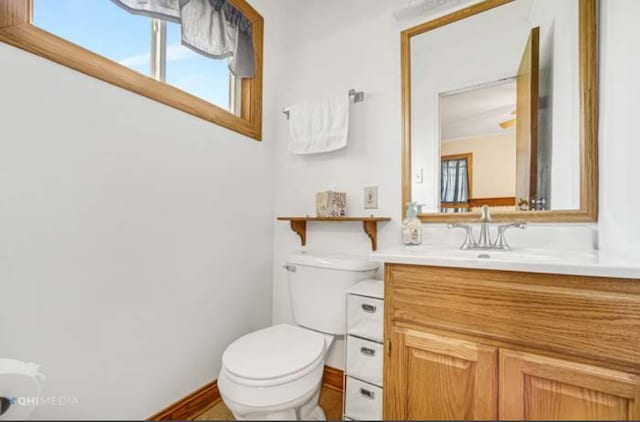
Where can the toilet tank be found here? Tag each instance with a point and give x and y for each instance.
(317, 282)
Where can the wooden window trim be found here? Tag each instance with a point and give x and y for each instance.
(17, 29)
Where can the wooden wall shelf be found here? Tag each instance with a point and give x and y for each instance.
(369, 224)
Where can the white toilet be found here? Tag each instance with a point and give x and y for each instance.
(276, 373)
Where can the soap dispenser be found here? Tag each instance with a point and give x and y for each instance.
(412, 226)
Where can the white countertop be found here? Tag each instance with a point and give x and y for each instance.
(547, 261)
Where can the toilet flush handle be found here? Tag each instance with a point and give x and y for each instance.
(290, 268)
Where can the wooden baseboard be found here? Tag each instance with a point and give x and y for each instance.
(333, 378)
(192, 405)
(207, 396)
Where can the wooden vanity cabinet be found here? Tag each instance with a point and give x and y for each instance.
(475, 345)
(441, 378)
(535, 387)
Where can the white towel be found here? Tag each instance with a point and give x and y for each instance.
(319, 126)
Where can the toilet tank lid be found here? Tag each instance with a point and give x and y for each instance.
(332, 261)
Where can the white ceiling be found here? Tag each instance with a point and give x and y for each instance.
(408, 9)
(477, 112)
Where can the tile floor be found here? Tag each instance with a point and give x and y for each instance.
(330, 401)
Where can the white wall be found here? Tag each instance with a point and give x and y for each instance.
(135, 240)
(334, 46)
(493, 162)
(619, 128)
(361, 50)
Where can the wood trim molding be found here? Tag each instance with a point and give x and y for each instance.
(455, 17)
(207, 396)
(589, 170)
(507, 201)
(588, 69)
(333, 379)
(15, 12)
(192, 405)
(17, 30)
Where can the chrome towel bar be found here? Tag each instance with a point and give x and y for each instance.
(355, 96)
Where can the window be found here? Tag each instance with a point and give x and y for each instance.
(126, 49)
(201, 76)
(148, 46)
(99, 26)
(456, 182)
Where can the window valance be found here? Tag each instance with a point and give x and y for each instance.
(214, 28)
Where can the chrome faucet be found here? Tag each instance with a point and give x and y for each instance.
(501, 241)
(485, 242)
(469, 241)
(485, 235)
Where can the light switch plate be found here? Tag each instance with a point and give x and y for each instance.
(371, 198)
(418, 176)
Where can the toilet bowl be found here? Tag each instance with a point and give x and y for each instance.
(276, 373)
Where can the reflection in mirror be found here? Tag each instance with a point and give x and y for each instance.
(495, 106)
(478, 130)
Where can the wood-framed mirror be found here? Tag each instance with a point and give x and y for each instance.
(499, 105)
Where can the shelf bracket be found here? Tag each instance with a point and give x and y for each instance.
(300, 227)
(371, 229)
(369, 225)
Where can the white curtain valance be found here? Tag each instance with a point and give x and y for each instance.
(214, 28)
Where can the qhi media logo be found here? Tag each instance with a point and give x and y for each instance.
(20, 390)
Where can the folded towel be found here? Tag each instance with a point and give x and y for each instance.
(319, 126)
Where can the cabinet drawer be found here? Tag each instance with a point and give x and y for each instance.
(365, 317)
(364, 360)
(363, 401)
(595, 318)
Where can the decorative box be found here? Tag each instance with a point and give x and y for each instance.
(331, 204)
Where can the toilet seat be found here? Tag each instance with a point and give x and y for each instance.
(277, 367)
(274, 355)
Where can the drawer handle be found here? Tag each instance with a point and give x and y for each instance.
(368, 308)
(367, 351)
(367, 393)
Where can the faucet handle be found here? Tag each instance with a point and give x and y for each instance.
(501, 240)
(469, 241)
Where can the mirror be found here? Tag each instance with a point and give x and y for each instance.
(499, 110)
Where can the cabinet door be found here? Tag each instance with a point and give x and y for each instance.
(534, 387)
(429, 377)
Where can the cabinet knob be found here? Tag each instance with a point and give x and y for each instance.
(367, 393)
(367, 351)
(368, 308)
